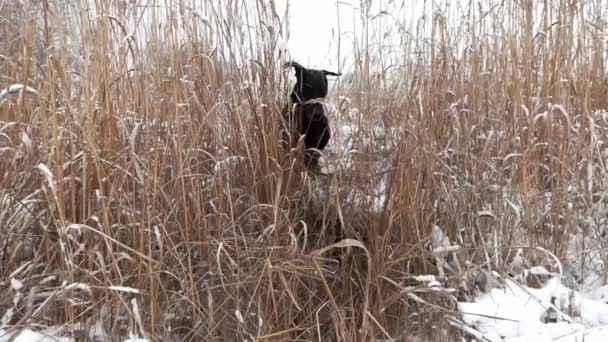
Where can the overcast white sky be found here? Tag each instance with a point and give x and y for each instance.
(314, 29)
(315, 26)
(322, 32)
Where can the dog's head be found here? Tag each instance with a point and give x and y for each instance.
(311, 83)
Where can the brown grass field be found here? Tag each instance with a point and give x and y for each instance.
(144, 191)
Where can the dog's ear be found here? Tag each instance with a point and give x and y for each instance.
(331, 73)
(297, 66)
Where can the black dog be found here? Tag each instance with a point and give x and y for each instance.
(311, 83)
(307, 117)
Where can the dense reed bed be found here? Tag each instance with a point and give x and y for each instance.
(144, 191)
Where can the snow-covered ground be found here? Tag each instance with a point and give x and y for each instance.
(50, 335)
(551, 313)
(27, 335)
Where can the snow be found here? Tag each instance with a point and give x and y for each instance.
(136, 339)
(15, 88)
(425, 278)
(96, 334)
(27, 335)
(124, 289)
(16, 284)
(551, 313)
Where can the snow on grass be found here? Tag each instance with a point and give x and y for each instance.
(16, 88)
(27, 335)
(351, 135)
(551, 313)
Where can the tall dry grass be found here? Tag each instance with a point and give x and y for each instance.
(143, 190)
